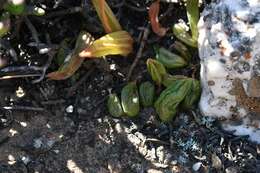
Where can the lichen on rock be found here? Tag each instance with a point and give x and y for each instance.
(229, 39)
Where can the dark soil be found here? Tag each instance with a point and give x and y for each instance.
(63, 126)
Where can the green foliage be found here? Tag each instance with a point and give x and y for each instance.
(169, 100)
(169, 59)
(146, 93)
(15, 7)
(130, 100)
(183, 50)
(156, 70)
(171, 79)
(193, 17)
(180, 30)
(114, 106)
(192, 96)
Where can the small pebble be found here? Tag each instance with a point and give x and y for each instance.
(37, 143)
(231, 170)
(216, 162)
(69, 109)
(196, 166)
(25, 159)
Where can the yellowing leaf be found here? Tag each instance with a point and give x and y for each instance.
(116, 43)
(153, 15)
(72, 65)
(106, 15)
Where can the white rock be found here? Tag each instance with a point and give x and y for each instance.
(196, 166)
(70, 109)
(229, 39)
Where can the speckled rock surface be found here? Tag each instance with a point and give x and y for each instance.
(229, 39)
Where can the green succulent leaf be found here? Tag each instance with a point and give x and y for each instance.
(193, 95)
(180, 31)
(169, 79)
(183, 50)
(193, 17)
(130, 100)
(169, 100)
(114, 106)
(156, 70)
(146, 93)
(169, 59)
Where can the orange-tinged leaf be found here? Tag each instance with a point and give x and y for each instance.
(107, 17)
(72, 65)
(153, 15)
(116, 43)
(67, 70)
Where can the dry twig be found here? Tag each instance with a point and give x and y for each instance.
(139, 54)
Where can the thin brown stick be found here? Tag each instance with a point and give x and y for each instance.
(139, 54)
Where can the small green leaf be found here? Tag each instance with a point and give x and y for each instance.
(180, 31)
(171, 79)
(114, 106)
(15, 7)
(130, 100)
(183, 50)
(146, 93)
(156, 70)
(169, 100)
(169, 59)
(193, 95)
(193, 17)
